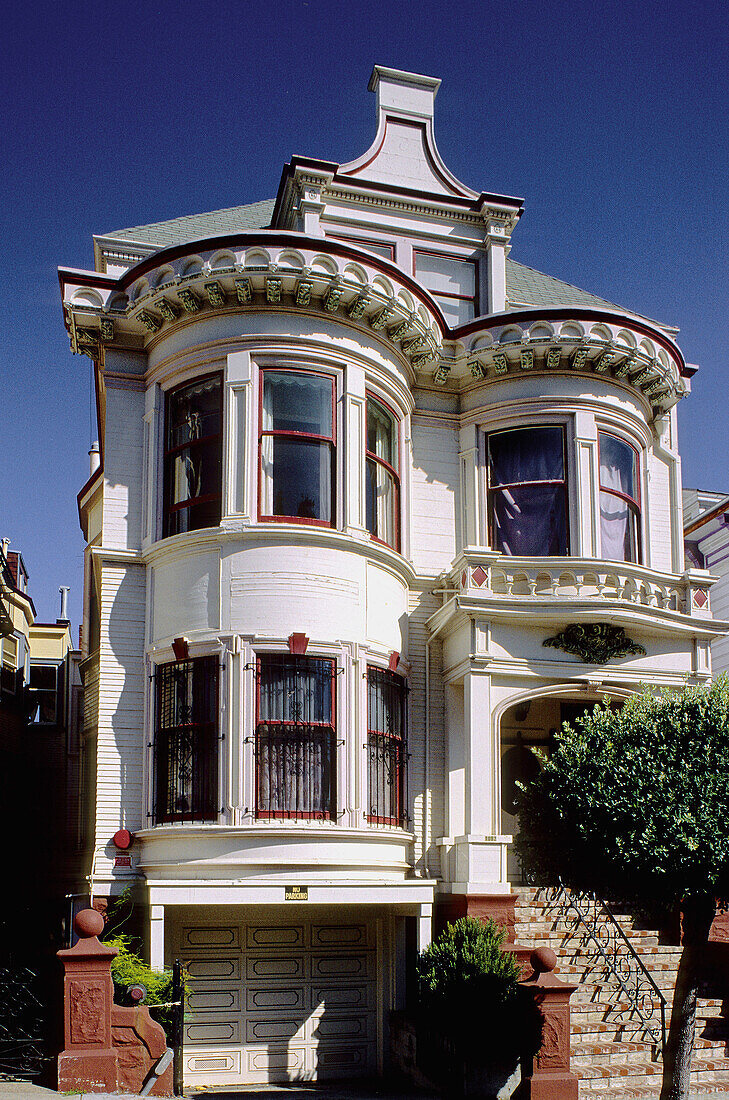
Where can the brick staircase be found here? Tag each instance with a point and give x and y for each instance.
(610, 1055)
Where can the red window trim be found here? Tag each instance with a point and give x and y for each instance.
(315, 815)
(169, 509)
(475, 298)
(331, 440)
(514, 484)
(397, 422)
(634, 503)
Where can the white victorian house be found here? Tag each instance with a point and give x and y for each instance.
(378, 507)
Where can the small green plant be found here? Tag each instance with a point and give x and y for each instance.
(128, 968)
(468, 988)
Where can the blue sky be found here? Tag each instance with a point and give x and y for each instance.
(610, 119)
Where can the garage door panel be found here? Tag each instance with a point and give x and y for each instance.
(340, 1027)
(339, 966)
(284, 997)
(214, 1000)
(204, 938)
(266, 1029)
(212, 1031)
(341, 997)
(340, 935)
(291, 1060)
(343, 1060)
(219, 967)
(275, 966)
(212, 1064)
(275, 936)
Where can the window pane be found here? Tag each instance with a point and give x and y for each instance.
(298, 480)
(445, 274)
(194, 412)
(295, 690)
(381, 503)
(617, 465)
(186, 741)
(456, 311)
(618, 529)
(195, 471)
(381, 435)
(43, 676)
(530, 521)
(297, 403)
(529, 454)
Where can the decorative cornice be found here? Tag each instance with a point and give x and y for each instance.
(595, 643)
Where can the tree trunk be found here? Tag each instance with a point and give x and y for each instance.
(698, 913)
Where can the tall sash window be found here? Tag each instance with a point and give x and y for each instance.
(295, 742)
(297, 447)
(619, 500)
(387, 747)
(527, 492)
(382, 483)
(193, 448)
(186, 741)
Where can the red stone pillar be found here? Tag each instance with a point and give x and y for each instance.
(551, 1078)
(88, 1062)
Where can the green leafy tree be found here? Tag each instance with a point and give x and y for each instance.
(634, 805)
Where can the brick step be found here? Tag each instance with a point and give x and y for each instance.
(640, 939)
(643, 1073)
(606, 1031)
(644, 1092)
(637, 1056)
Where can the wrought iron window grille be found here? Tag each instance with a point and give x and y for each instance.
(185, 745)
(387, 749)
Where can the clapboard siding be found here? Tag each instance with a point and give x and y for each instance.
(120, 751)
(434, 494)
(659, 512)
(123, 453)
(720, 610)
(422, 605)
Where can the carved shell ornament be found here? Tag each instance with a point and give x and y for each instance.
(595, 643)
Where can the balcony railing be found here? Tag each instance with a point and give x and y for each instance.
(499, 577)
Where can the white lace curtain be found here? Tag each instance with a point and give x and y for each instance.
(617, 519)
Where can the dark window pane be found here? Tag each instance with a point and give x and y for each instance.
(195, 471)
(295, 402)
(530, 521)
(617, 466)
(298, 480)
(381, 434)
(193, 412)
(532, 454)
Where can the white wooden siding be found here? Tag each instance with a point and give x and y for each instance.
(120, 754)
(720, 610)
(123, 464)
(435, 484)
(422, 605)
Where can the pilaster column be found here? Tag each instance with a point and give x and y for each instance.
(354, 427)
(239, 430)
(471, 525)
(157, 937)
(585, 496)
(497, 240)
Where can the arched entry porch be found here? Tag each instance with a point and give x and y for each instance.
(525, 726)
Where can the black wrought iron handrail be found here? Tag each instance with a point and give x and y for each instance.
(600, 928)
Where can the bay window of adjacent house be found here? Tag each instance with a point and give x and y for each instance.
(193, 451)
(186, 741)
(619, 500)
(452, 282)
(295, 744)
(386, 747)
(297, 444)
(527, 491)
(382, 484)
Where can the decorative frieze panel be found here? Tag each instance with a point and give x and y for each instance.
(260, 277)
(614, 350)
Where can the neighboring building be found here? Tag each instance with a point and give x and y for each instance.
(378, 508)
(40, 706)
(706, 537)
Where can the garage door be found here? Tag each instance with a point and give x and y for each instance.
(279, 1002)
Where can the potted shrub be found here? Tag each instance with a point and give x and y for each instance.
(474, 1023)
